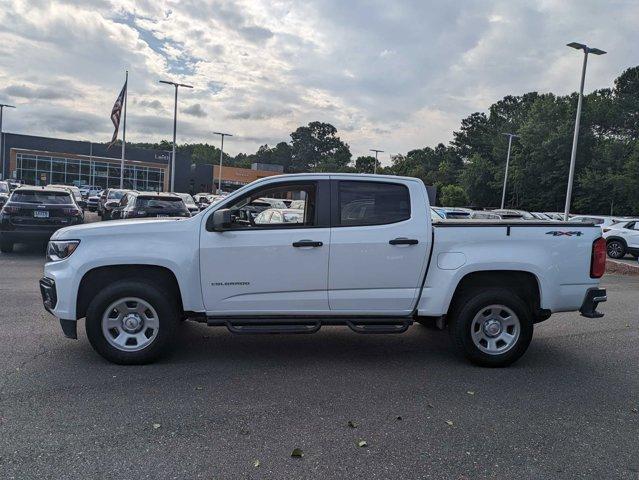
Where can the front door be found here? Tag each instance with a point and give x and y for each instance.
(270, 260)
(380, 242)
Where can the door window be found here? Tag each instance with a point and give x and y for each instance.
(372, 203)
(265, 207)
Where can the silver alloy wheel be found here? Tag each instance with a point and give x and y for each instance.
(130, 324)
(495, 329)
(615, 249)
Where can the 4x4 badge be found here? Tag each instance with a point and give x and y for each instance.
(557, 233)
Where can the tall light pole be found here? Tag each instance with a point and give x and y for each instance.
(219, 183)
(573, 155)
(2, 105)
(176, 85)
(510, 141)
(376, 152)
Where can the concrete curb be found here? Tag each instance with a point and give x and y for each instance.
(621, 268)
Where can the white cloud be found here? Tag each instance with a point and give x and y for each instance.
(395, 76)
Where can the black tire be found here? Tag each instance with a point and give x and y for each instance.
(162, 302)
(6, 247)
(470, 305)
(616, 249)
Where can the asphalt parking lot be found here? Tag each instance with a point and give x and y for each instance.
(219, 403)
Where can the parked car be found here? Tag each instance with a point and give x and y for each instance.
(274, 202)
(108, 200)
(453, 213)
(555, 215)
(93, 201)
(601, 220)
(150, 204)
(484, 215)
(510, 214)
(375, 270)
(4, 193)
(75, 191)
(279, 216)
(90, 190)
(542, 216)
(34, 213)
(622, 238)
(188, 200)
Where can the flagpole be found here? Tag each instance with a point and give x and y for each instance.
(126, 94)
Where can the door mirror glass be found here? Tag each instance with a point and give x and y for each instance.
(221, 220)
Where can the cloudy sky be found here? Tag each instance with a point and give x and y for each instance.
(394, 75)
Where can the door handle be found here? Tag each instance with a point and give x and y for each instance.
(307, 243)
(403, 241)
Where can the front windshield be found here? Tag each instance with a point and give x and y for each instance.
(188, 199)
(4, 188)
(115, 194)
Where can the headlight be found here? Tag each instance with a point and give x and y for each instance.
(60, 249)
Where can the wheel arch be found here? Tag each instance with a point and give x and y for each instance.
(97, 278)
(619, 239)
(524, 283)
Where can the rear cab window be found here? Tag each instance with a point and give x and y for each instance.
(362, 203)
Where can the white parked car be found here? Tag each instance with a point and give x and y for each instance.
(622, 238)
(280, 216)
(366, 255)
(602, 221)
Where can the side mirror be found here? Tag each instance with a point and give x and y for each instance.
(221, 220)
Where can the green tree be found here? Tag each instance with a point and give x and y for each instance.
(453, 196)
(317, 147)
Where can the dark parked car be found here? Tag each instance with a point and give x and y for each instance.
(109, 199)
(189, 202)
(151, 204)
(32, 214)
(4, 193)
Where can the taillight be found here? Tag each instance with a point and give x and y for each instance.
(71, 211)
(598, 258)
(10, 209)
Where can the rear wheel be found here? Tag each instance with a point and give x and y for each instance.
(491, 327)
(616, 249)
(6, 247)
(131, 322)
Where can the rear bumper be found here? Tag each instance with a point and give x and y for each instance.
(594, 296)
(32, 235)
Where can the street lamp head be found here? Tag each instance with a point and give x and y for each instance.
(511, 135)
(586, 48)
(175, 84)
(223, 134)
(577, 46)
(6, 105)
(596, 51)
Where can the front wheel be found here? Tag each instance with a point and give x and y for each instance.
(6, 247)
(615, 249)
(131, 322)
(491, 327)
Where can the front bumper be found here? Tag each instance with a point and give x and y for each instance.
(50, 300)
(594, 296)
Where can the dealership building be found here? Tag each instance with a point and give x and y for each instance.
(41, 161)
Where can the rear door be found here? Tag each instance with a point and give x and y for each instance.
(380, 242)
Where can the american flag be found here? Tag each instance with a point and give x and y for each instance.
(116, 113)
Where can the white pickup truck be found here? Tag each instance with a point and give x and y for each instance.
(364, 253)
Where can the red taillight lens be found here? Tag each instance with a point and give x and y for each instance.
(10, 209)
(598, 259)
